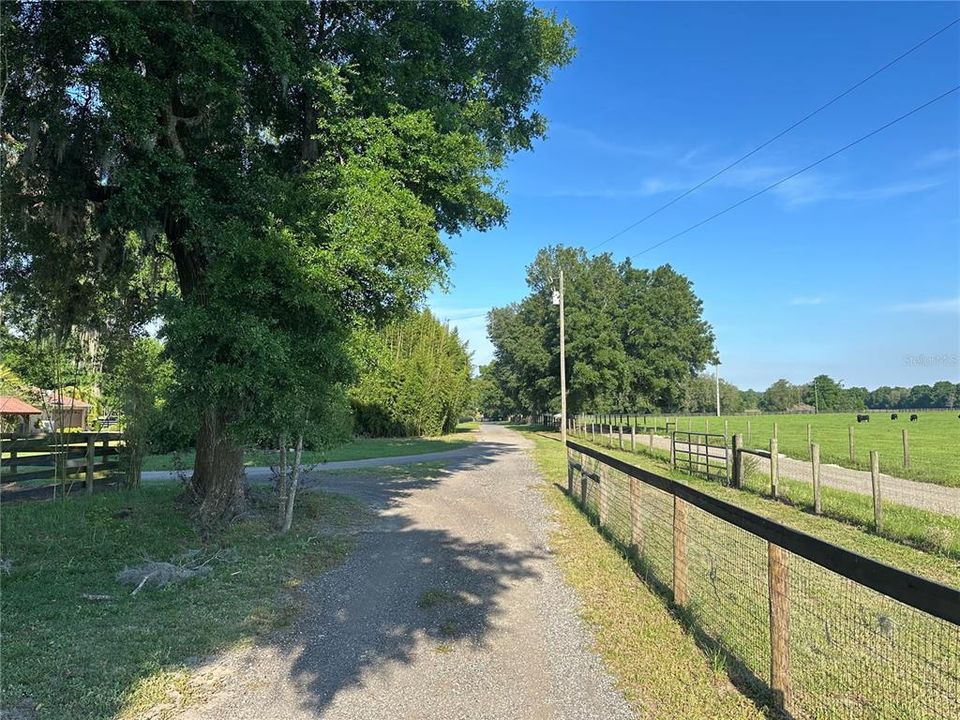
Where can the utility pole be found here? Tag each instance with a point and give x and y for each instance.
(558, 300)
(716, 369)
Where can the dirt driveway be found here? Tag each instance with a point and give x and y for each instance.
(451, 607)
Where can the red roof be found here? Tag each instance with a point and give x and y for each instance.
(15, 406)
(54, 397)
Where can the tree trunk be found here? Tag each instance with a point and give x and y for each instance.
(217, 483)
(282, 483)
(294, 482)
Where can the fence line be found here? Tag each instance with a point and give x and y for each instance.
(72, 457)
(821, 630)
(931, 497)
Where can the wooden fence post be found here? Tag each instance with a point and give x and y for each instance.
(603, 509)
(906, 448)
(633, 437)
(809, 435)
(635, 528)
(673, 452)
(679, 551)
(726, 428)
(569, 478)
(815, 466)
(749, 434)
(738, 460)
(776, 431)
(91, 459)
(875, 482)
(774, 468)
(13, 459)
(778, 591)
(650, 435)
(853, 447)
(620, 433)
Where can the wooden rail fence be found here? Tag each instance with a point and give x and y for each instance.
(72, 457)
(824, 608)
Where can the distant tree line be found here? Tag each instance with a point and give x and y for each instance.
(823, 393)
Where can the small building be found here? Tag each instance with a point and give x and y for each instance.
(64, 412)
(18, 416)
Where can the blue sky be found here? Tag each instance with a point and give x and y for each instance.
(852, 269)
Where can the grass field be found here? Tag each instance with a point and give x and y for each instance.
(934, 439)
(77, 644)
(854, 652)
(358, 449)
(930, 531)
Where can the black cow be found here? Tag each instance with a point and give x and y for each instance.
(863, 418)
(894, 416)
(914, 417)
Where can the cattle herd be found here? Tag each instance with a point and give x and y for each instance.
(893, 416)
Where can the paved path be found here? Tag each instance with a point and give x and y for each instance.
(926, 496)
(258, 473)
(509, 646)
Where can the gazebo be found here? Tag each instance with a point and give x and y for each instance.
(13, 410)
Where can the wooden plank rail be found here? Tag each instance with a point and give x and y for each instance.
(72, 456)
(680, 565)
(917, 592)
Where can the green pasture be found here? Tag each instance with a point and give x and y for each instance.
(934, 439)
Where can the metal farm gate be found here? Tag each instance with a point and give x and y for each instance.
(702, 454)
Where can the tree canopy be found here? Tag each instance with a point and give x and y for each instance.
(634, 337)
(290, 165)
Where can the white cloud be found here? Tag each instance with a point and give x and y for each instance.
(940, 156)
(813, 188)
(808, 300)
(947, 305)
(611, 146)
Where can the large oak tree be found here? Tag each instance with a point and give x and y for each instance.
(295, 164)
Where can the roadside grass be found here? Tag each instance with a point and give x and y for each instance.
(934, 439)
(656, 661)
(834, 623)
(434, 597)
(918, 541)
(76, 644)
(357, 449)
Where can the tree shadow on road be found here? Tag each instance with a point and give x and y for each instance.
(407, 593)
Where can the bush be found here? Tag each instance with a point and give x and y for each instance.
(416, 380)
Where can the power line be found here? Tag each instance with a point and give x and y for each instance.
(776, 137)
(465, 317)
(800, 171)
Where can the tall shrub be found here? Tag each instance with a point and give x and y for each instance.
(416, 380)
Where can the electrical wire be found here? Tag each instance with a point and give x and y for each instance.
(800, 171)
(776, 137)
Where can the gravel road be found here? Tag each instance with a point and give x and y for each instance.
(451, 607)
(926, 496)
(257, 474)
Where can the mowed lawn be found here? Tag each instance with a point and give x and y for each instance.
(358, 449)
(934, 439)
(77, 644)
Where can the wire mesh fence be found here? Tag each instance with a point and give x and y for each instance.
(797, 472)
(802, 624)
